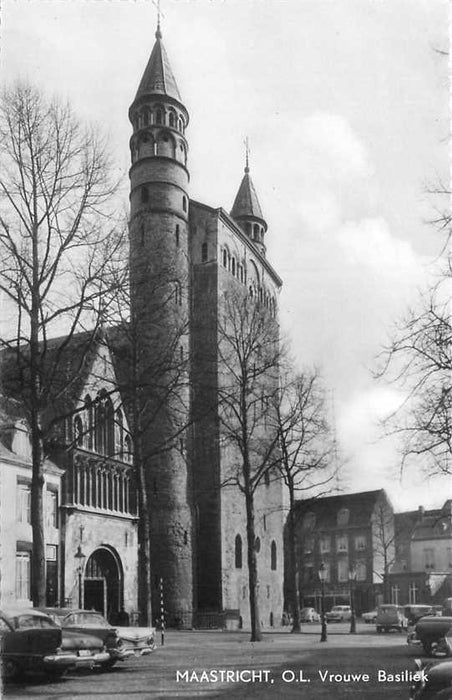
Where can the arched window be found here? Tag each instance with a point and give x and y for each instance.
(177, 236)
(273, 556)
(99, 426)
(159, 117)
(233, 266)
(89, 422)
(184, 203)
(225, 258)
(238, 552)
(78, 431)
(248, 228)
(144, 195)
(256, 232)
(267, 477)
(142, 234)
(128, 448)
(257, 545)
(109, 428)
(181, 124)
(119, 434)
(204, 252)
(145, 117)
(172, 119)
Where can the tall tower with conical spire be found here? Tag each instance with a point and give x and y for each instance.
(159, 277)
(246, 210)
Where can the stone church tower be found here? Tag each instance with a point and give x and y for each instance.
(185, 257)
(159, 274)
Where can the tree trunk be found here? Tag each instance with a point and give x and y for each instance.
(256, 632)
(294, 606)
(38, 564)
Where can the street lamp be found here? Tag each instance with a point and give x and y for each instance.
(352, 579)
(322, 576)
(80, 558)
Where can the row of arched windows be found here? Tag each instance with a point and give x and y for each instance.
(100, 428)
(162, 144)
(236, 268)
(160, 115)
(255, 231)
(99, 486)
(257, 547)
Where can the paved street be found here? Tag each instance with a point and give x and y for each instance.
(283, 665)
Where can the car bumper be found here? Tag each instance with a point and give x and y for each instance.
(121, 655)
(93, 660)
(59, 660)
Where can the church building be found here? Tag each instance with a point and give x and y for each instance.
(185, 258)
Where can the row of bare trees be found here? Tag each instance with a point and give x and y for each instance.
(64, 273)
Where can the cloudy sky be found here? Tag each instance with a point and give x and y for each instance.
(345, 104)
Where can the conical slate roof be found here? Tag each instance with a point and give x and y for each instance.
(158, 78)
(246, 203)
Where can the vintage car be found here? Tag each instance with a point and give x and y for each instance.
(89, 649)
(434, 681)
(370, 616)
(137, 640)
(390, 617)
(309, 615)
(339, 613)
(94, 624)
(429, 630)
(31, 642)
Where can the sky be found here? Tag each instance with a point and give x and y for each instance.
(345, 106)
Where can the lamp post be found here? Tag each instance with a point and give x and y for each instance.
(352, 579)
(80, 558)
(322, 576)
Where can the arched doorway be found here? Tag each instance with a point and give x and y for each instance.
(103, 583)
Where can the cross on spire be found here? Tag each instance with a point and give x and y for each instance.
(158, 33)
(247, 155)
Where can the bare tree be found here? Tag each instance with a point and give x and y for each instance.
(307, 460)
(55, 194)
(383, 544)
(419, 360)
(249, 353)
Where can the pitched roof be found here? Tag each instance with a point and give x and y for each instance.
(360, 506)
(158, 78)
(246, 203)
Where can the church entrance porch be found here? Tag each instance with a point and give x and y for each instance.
(103, 583)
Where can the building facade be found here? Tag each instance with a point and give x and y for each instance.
(422, 571)
(348, 534)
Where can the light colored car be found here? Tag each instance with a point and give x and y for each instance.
(339, 613)
(137, 640)
(309, 615)
(390, 617)
(370, 616)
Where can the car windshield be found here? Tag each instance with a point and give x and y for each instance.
(27, 621)
(85, 620)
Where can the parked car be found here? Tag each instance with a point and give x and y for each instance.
(435, 683)
(413, 613)
(139, 641)
(390, 617)
(339, 613)
(309, 615)
(429, 630)
(370, 616)
(93, 623)
(31, 642)
(89, 648)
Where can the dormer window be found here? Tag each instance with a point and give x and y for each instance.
(343, 517)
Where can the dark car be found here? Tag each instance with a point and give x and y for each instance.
(429, 630)
(434, 681)
(94, 624)
(89, 648)
(31, 642)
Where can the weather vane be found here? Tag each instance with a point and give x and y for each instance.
(159, 12)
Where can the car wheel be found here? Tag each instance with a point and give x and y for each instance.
(108, 664)
(10, 669)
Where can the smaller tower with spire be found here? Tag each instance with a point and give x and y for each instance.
(246, 210)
